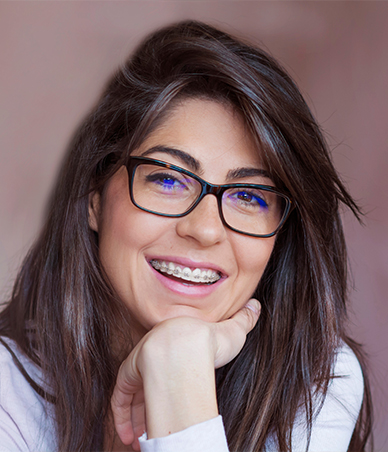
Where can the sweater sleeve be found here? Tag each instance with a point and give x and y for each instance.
(332, 428)
(207, 436)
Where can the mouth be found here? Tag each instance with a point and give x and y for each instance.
(183, 274)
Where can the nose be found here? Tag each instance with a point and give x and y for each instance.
(203, 224)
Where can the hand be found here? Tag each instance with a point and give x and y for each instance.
(170, 374)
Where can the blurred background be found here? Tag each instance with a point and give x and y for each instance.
(55, 58)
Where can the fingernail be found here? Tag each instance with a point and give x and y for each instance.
(254, 306)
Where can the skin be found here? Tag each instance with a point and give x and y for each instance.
(182, 334)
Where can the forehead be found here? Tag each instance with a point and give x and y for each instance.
(211, 132)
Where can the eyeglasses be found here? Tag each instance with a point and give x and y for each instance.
(163, 189)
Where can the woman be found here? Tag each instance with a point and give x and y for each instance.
(198, 186)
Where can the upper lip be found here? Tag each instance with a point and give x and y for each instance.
(190, 263)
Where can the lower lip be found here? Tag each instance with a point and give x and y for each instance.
(184, 289)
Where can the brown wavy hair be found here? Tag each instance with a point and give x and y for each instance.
(64, 313)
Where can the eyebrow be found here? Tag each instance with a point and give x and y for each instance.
(241, 173)
(184, 157)
(195, 166)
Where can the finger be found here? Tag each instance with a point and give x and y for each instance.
(122, 416)
(127, 385)
(138, 418)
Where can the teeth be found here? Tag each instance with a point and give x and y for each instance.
(188, 274)
(156, 265)
(196, 274)
(170, 268)
(177, 272)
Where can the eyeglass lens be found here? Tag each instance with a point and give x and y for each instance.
(170, 192)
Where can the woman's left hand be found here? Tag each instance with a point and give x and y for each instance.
(167, 383)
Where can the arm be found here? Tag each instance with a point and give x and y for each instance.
(174, 366)
(332, 427)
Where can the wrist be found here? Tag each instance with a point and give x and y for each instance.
(179, 382)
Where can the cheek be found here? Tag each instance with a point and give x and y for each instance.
(122, 237)
(253, 260)
(251, 257)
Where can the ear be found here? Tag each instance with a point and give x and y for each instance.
(94, 210)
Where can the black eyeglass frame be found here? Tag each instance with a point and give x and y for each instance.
(207, 189)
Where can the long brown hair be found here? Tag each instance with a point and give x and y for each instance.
(64, 313)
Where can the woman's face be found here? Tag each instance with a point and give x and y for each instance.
(129, 238)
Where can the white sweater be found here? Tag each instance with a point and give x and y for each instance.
(26, 420)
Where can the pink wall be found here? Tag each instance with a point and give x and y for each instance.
(55, 57)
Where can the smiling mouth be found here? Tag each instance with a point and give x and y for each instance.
(191, 275)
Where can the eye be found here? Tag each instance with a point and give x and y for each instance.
(249, 198)
(166, 182)
(161, 179)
